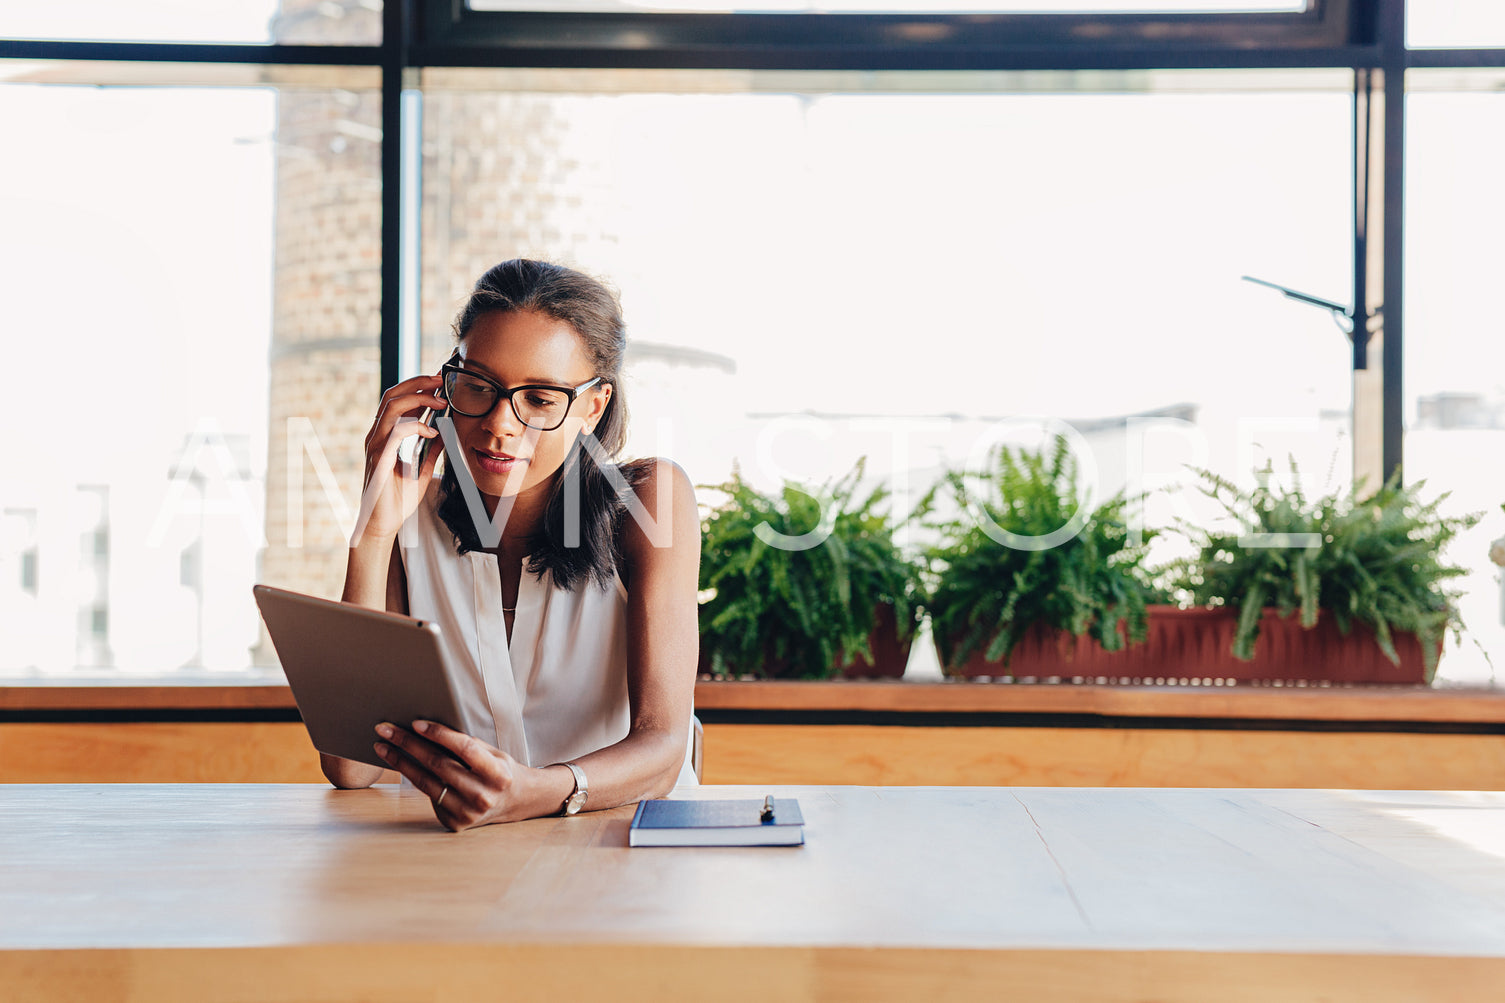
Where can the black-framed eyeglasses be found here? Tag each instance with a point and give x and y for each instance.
(537, 405)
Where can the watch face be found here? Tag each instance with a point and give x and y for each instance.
(573, 803)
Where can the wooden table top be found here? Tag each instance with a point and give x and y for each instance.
(1260, 885)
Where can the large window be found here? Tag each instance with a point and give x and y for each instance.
(192, 295)
(1440, 23)
(889, 250)
(352, 22)
(817, 274)
(1455, 359)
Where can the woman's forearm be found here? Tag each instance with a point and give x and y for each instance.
(490, 786)
(366, 570)
(645, 764)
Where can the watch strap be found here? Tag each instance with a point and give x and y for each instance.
(576, 800)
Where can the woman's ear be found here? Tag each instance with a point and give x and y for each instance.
(600, 397)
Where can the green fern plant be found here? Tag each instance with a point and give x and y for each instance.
(985, 595)
(771, 609)
(1374, 559)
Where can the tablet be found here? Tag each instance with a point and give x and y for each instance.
(351, 668)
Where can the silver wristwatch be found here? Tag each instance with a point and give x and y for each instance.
(576, 800)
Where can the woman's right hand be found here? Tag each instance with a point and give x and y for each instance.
(392, 489)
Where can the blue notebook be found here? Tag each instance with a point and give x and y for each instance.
(716, 823)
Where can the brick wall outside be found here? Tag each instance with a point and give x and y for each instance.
(326, 298)
(504, 175)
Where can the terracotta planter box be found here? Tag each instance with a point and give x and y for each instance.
(1198, 644)
(890, 656)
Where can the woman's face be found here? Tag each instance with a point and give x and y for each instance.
(524, 347)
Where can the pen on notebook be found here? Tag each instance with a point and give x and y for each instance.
(767, 814)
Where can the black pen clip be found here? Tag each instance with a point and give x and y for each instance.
(766, 815)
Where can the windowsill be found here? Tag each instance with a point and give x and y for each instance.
(1482, 706)
(217, 691)
(1256, 703)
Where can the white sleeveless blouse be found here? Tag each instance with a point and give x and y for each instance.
(558, 690)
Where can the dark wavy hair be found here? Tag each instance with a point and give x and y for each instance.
(594, 312)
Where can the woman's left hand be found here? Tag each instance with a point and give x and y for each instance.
(471, 783)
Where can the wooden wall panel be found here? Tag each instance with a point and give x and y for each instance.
(1100, 757)
(828, 754)
(217, 752)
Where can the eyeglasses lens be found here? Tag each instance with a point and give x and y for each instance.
(468, 395)
(543, 409)
(539, 408)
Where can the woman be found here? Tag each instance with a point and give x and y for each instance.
(564, 585)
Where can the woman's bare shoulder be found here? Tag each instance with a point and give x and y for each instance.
(645, 474)
(666, 515)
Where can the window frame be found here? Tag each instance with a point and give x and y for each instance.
(1330, 32)
(1361, 35)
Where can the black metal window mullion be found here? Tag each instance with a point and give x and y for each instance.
(874, 58)
(1455, 58)
(831, 40)
(1392, 30)
(1363, 207)
(191, 52)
